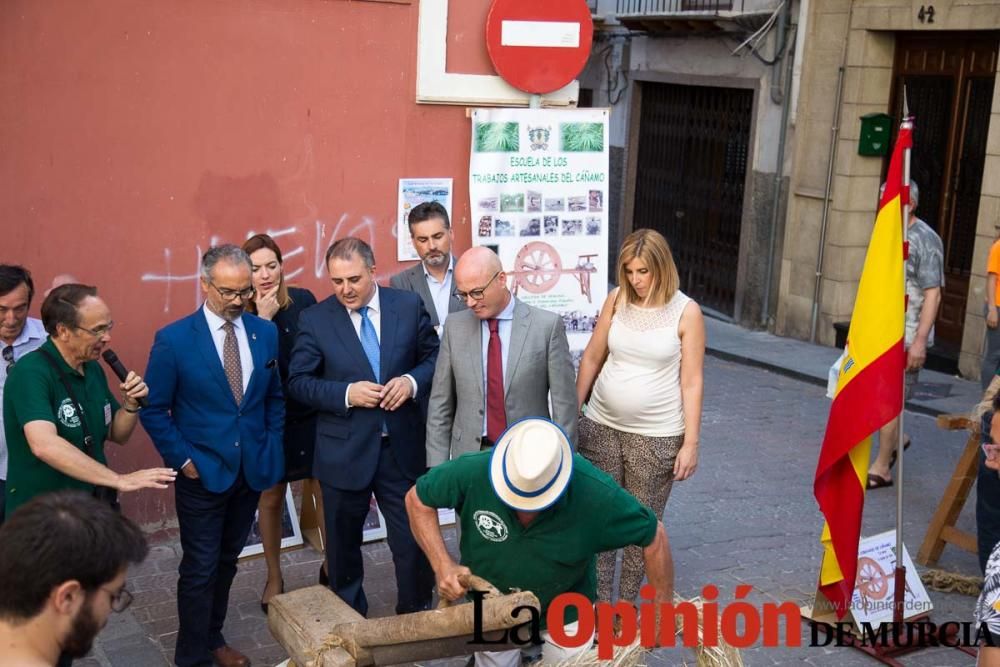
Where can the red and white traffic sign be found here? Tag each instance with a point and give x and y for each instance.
(539, 46)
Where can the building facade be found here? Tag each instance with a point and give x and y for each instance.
(698, 90)
(860, 57)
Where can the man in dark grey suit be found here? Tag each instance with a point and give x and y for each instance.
(504, 359)
(432, 278)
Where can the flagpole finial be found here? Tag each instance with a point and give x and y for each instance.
(906, 106)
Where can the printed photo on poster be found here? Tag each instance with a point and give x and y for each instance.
(291, 532)
(374, 526)
(374, 523)
(413, 191)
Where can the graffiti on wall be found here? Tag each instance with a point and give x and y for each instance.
(303, 251)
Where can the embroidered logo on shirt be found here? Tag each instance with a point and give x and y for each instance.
(490, 526)
(67, 414)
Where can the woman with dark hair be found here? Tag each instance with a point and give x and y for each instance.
(274, 300)
(642, 371)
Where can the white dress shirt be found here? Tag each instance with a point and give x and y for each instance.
(441, 291)
(375, 315)
(31, 338)
(215, 324)
(505, 322)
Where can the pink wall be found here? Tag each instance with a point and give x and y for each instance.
(135, 134)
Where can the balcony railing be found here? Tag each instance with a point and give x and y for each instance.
(663, 7)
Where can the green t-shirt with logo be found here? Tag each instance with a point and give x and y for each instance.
(555, 553)
(34, 392)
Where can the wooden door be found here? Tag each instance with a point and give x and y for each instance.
(948, 78)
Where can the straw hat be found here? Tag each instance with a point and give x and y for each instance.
(531, 464)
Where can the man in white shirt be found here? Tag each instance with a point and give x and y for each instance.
(433, 277)
(19, 335)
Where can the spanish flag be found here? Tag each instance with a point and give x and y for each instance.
(869, 391)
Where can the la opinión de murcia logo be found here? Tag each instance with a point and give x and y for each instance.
(739, 624)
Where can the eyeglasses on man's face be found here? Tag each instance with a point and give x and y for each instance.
(231, 294)
(477, 293)
(97, 332)
(120, 601)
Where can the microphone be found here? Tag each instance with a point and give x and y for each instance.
(112, 360)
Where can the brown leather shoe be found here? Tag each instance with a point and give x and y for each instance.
(227, 656)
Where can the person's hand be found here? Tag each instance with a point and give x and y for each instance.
(151, 478)
(449, 587)
(395, 392)
(364, 394)
(133, 388)
(686, 461)
(916, 355)
(267, 303)
(190, 471)
(992, 456)
(992, 319)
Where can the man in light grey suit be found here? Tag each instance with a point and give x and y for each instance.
(499, 361)
(432, 278)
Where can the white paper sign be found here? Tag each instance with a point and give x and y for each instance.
(876, 585)
(538, 183)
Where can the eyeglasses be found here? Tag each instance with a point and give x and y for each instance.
(230, 294)
(8, 356)
(478, 293)
(97, 332)
(120, 601)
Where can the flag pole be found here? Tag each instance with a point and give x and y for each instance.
(899, 591)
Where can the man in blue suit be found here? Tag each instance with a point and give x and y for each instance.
(216, 414)
(364, 358)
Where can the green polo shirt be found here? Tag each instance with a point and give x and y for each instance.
(34, 392)
(555, 553)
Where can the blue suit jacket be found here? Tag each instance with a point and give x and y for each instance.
(327, 356)
(192, 412)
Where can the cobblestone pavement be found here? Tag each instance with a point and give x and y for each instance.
(747, 517)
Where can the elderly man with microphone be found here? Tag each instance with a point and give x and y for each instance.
(59, 410)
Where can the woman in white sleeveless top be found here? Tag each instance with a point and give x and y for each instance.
(643, 416)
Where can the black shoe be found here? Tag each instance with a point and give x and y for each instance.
(324, 580)
(263, 605)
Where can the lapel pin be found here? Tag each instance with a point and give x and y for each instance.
(253, 336)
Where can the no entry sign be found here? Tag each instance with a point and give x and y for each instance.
(539, 46)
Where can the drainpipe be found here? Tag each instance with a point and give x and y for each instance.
(779, 94)
(778, 90)
(834, 131)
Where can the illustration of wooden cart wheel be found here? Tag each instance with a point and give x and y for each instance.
(537, 267)
(872, 580)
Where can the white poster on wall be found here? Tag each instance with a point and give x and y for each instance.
(413, 191)
(538, 184)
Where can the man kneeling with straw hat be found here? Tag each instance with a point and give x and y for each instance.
(534, 515)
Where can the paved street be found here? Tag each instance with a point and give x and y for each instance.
(746, 517)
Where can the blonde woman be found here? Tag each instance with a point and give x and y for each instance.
(274, 300)
(643, 373)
